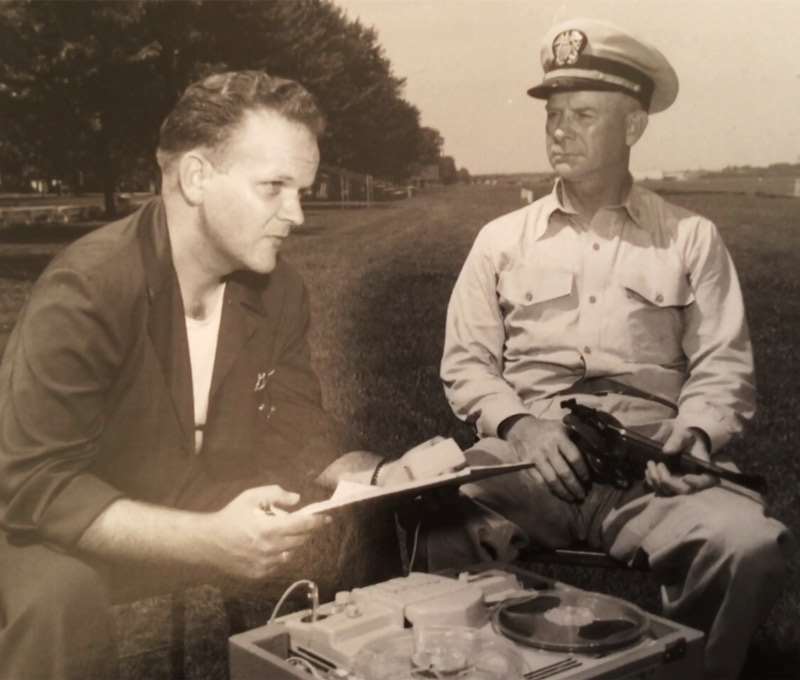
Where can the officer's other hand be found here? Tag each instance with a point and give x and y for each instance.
(680, 439)
(558, 462)
(253, 535)
(398, 471)
(393, 473)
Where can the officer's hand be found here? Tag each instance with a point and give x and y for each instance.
(247, 540)
(681, 439)
(398, 471)
(559, 463)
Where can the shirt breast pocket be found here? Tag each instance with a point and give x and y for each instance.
(654, 300)
(537, 301)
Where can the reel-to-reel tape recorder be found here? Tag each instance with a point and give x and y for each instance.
(495, 622)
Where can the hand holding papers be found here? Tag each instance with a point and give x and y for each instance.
(442, 464)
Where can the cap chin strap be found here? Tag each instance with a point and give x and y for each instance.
(586, 74)
(544, 90)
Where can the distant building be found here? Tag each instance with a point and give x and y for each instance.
(640, 175)
(427, 176)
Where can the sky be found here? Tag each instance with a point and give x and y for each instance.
(468, 63)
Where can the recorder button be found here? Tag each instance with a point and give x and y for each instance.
(341, 600)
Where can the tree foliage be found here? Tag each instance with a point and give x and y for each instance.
(447, 170)
(85, 85)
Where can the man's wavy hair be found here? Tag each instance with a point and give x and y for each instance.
(209, 110)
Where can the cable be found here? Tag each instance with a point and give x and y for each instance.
(414, 546)
(313, 595)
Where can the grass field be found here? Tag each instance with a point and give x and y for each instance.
(379, 281)
(752, 185)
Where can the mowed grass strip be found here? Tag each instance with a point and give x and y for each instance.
(379, 281)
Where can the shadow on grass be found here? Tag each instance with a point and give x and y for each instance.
(768, 660)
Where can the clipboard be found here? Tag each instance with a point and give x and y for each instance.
(374, 495)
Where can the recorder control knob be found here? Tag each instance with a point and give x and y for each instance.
(340, 601)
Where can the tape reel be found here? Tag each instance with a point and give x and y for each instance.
(571, 621)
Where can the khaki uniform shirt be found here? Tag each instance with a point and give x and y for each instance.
(646, 295)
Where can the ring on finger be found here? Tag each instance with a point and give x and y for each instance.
(285, 556)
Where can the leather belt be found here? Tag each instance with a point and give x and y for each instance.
(602, 386)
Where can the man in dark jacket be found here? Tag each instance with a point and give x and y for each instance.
(156, 395)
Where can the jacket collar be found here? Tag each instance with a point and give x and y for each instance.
(243, 288)
(155, 248)
(243, 312)
(165, 319)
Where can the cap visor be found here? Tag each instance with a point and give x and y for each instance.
(545, 89)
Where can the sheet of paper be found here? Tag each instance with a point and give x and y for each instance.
(347, 490)
(351, 493)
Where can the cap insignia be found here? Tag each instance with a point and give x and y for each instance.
(567, 46)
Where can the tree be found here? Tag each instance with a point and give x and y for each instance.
(429, 145)
(87, 84)
(77, 79)
(447, 170)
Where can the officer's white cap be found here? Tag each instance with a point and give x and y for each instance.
(587, 54)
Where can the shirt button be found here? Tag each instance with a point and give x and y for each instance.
(596, 246)
(528, 297)
(659, 298)
(587, 350)
(592, 299)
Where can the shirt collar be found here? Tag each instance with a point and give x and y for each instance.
(558, 201)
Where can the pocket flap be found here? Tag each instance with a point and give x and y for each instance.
(528, 286)
(663, 286)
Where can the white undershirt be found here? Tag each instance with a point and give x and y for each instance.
(202, 335)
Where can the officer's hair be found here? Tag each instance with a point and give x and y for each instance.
(629, 103)
(210, 110)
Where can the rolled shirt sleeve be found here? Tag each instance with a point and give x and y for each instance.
(719, 393)
(55, 376)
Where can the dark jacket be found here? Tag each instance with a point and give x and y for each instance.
(96, 396)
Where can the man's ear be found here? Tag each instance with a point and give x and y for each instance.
(194, 170)
(635, 125)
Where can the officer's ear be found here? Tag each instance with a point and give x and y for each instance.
(635, 125)
(194, 171)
